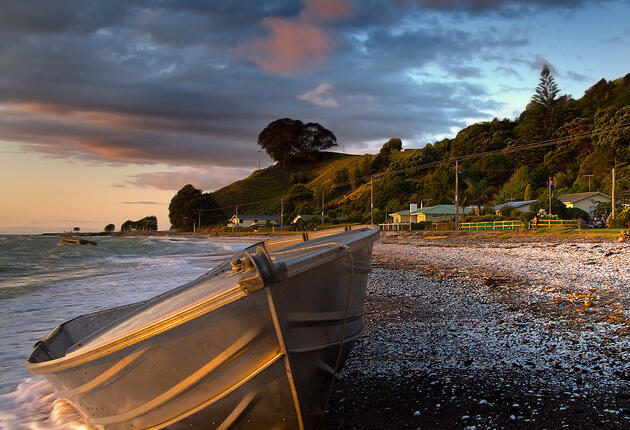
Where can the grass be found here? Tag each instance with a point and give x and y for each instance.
(260, 192)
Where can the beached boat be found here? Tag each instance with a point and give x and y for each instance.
(75, 241)
(254, 343)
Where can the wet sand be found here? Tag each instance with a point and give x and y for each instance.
(490, 335)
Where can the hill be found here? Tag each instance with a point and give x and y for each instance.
(572, 139)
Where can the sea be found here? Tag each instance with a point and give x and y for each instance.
(43, 284)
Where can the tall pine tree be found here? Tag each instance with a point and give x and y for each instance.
(541, 117)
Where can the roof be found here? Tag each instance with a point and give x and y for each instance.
(513, 204)
(576, 197)
(435, 210)
(258, 217)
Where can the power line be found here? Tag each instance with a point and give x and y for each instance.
(503, 151)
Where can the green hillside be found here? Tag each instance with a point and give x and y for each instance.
(588, 136)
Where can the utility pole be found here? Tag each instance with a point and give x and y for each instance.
(281, 212)
(457, 195)
(322, 205)
(550, 192)
(372, 200)
(613, 192)
(589, 181)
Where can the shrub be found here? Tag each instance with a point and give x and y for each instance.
(575, 213)
(527, 216)
(620, 220)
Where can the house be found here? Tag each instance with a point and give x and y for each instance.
(522, 206)
(428, 213)
(585, 201)
(246, 221)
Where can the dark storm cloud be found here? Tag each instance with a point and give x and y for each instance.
(505, 7)
(164, 82)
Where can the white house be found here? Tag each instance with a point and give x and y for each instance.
(585, 201)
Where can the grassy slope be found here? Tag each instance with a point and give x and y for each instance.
(260, 192)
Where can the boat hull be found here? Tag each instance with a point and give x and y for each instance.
(253, 359)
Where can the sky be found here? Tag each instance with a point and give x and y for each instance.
(107, 108)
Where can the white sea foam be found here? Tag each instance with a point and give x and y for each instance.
(47, 291)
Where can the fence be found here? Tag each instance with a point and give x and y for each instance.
(515, 225)
(547, 223)
(492, 225)
(395, 226)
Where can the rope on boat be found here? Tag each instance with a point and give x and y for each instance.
(348, 253)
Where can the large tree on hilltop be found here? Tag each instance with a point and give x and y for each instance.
(287, 140)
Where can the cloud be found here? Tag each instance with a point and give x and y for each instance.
(141, 203)
(320, 96)
(511, 8)
(326, 10)
(162, 83)
(509, 72)
(297, 45)
(291, 47)
(209, 179)
(575, 76)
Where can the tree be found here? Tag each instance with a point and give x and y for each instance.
(546, 91)
(542, 113)
(287, 140)
(109, 228)
(527, 195)
(382, 159)
(393, 144)
(148, 223)
(298, 193)
(611, 133)
(184, 209)
(477, 191)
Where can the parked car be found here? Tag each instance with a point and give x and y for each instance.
(599, 223)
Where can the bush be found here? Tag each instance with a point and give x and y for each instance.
(620, 220)
(298, 178)
(575, 213)
(506, 211)
(527, 216)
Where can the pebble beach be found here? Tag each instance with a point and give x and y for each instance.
(490, 335)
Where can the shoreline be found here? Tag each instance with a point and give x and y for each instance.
(437, 238)
(478, 337)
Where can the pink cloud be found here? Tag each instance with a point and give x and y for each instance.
(292, 47)
(205, 179)
(297, 45)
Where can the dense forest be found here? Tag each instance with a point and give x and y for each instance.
(577, 143)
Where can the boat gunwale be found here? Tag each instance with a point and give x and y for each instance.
(295, 267)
